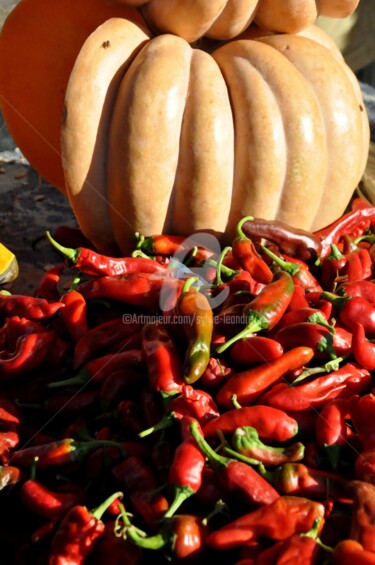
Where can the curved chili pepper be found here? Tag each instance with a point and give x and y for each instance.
(299, 480)
(306, 314)
(96, 370)
(363, 514)
(249, 385)
(236, 477)
(181, 536)
(74, 315)
(363, 350)
(102, 336)
(298, 270)
(358, 265)
(271, 424)
(348, 380)
(349, 551)
(75, 536)
(31, 351)
(47, 286)
(342, 341)
(27, 306)
(164, 368)
(246, 255)
(362, 415)
(351, 224)
(245, 441)
(137, 479)
(216, 373)
(185, 474)
(47, 503)
(195, 310)
(255, 349)
(94, 264)
(292, 241)
(298, 299)
(9, 475)
(331, 425)
(299, 548)
(316, 336)
(364, 289)
(59, 452)
(137, 289)
(266, 309)
(286, 516)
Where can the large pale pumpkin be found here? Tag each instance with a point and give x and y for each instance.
(187, 140)
(225, 19)
(39, 43)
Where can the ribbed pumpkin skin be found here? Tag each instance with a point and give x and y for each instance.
(225, 19)
(182, 140)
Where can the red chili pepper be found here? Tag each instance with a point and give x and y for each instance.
(31, 350)
(47, 503)
(9, 475)
(61, 405)
(249, 385)
(363, 350)
(185, 474)
(298, 270)
(349, 551)
(351, 224)
(47, 287)
(216, 373)
(348, 380)
(27, 306)
(299, 480)
(245, 441)
(316, 336)
(237, 478)
(364, 467)
(271, 424)
(117, 383)
(71, 237)
(266, 309)
(364, 289)
(161, 244)
(292, 241)
(96, 370)
(363, 514)
(117, 549)
(75, 536)
(141, 487)
(331, 425)
(358, 266)
(296, 549)
(147, 290)
(286, 516)
(94, 264)
(306, 314)
(342, 341)
(74, 315)
(331, 268)
(246, 255)
(362, 415)
(59, 452)
(103, 336)
(255, 349)
(130, 417)
(164, 367)
(298, 299)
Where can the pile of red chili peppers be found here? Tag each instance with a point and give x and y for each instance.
(181, 405)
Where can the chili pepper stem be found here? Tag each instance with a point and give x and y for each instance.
(188, 283)
(291, 268)
(220, 508)
(182, 493)
(254, 326)
(69, 253)
(313, 534)
(137, 536)
(166, 422)
(241, 457)
(99, 510)
(73, 381)
(219, 265)
(205, 448)
(332, 365)
(239, 230)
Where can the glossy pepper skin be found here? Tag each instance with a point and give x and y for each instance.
(292, 241)
(348, 552)
(266, 309)
(296, 479)
(31, 351)
(271, 423)
(249, 385)
(193, 306)
(245, 441)
(236, 477)
(51, 505)
(74, 315)
(286, 516)
(94, 264)
(348, 380)
(255, 349)
(164, 367)
(76, 534)
(27, 307)
(363, 349)
(48, 284)
(246, 255)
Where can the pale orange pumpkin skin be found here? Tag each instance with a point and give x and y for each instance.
(225, 19)
(188, 141)
(39, 43)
